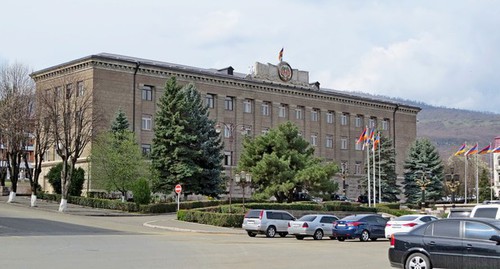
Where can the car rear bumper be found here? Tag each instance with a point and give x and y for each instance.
(395, 257)
(346, 233)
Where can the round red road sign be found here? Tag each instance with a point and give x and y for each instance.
(178, 188)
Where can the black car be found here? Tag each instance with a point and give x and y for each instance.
(458, 243)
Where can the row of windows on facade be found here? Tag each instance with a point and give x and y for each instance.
(147, 95)
(68, 90)
(299, 112)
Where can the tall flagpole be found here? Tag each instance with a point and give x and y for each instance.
(379, 185)
(465, 179)
(368, 174)
(477, 178)
(374, 172)
(491, 176)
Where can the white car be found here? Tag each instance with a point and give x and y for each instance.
(314, 225)
(406, 223)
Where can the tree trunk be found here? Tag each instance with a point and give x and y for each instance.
(64, 205)
(33, 199)
(12, 197)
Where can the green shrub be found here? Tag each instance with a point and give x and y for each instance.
(142, 192)
(77, 180)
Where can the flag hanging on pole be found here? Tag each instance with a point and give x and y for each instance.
(471, 151)
(362, 137)
(280, 55)
(495, 150)
(485, 150)
(461, 150)
(376, 141)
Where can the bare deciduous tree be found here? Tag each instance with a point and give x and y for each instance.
(16, 98)
(69, 108)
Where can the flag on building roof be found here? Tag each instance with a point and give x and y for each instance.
(362, 137)
(461, 150)
(495, 150)
(280, 55)
(485, 150)
(471, 151)
(376, 141)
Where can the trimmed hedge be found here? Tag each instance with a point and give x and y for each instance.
(211, 218)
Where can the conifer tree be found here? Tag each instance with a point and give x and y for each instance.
(186, 149)
(423, 160)
(484, 186)
(120, 124)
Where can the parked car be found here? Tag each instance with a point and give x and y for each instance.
(363, 226)
(268, 222)
(459, 243)
(406, 223)
(491, 211)
(459, 212)
(314, 225)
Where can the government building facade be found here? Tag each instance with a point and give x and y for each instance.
(241, 104)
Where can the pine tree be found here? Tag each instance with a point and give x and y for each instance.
(484, 186)
(423, 161)
(186, 149)
(120, 124)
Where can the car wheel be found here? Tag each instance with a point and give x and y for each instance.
(251, 234)
(418, 261)
(318, 235)
(299, 237)
(271, 231)
(340, 238)
(374, 239)
(283, 234)
(365, 235)
(333, 237)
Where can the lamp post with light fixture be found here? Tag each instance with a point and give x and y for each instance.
(452, 182)
(229, 133)
(243, 178)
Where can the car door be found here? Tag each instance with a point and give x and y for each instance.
(479, 251)
(443, 242)
(285, 219)
(376, 226)
(326, 223)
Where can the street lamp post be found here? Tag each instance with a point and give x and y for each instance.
(452, 182)
(423, 182)
(344, 174)
(243, 178)
(229, 133)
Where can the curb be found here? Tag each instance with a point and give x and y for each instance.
(176, 229)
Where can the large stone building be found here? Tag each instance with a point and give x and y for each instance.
(266, 97)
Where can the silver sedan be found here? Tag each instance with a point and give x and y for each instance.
(315, 225)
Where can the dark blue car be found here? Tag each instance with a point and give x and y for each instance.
(363, 226)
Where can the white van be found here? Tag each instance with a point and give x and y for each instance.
(491, 211)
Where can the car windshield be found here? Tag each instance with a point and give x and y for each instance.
(406, 218)
(253, 214)
(459, 214)
(307, 218)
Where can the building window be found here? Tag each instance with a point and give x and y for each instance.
(357, 168)
(344, 118)
(80, 89)
(247, 106)
(314, 115)
(210, 100)
(227, 131)
(58, 91)
(264, 131)
(299, 113)
(146, 122)
(359, 121)
(329, 117)
(228, 103)
(372, 122)
(343, 143)
(265, 109)
(358, 146)
(147, 93)
(69, 90)
(329, 141)
(385, 124)
(282, 111)
(228, 158)
(146, 150)
(314, 139)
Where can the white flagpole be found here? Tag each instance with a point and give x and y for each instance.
(491, 176)
(368, 174)
(477, 177)
(374, 172)
(465, 179)
(379, 185)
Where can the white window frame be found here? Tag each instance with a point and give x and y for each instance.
(314, 115)
(282, 111)
(146, 149)
(227, 131)
(265, 109)
(80, 88)
(247, 106)
(344, 143)
(358, 146)
(229, 103)
(357, 168)
(344, 119)
(147, 93)
(385, 124)
(228, 158)
(372, 122)
(329, 141)
(147, 122)
(314, 139)
(329, 117)
(210, 100)
(359, 121)
(299, 113)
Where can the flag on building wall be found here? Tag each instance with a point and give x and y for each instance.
(471, 151)
(485, 150)
(461, 150)
(280, 55)
(362, 137)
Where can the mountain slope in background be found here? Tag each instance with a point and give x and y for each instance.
(448, 128)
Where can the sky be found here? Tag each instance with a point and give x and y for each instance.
(444, 53)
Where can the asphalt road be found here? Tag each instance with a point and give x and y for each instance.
(31, 238)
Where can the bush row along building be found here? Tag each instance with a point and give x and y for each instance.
(242, 104)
